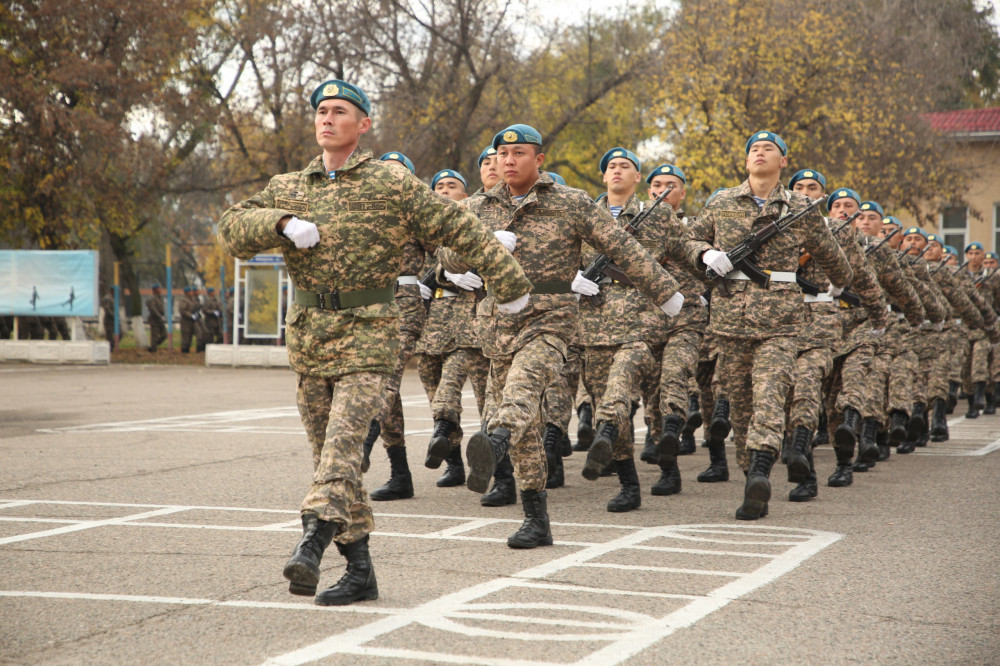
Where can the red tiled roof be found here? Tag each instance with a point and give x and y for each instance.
(966, 120)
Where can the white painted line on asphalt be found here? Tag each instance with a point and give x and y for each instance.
(639, 567)
(10, 504)
(91, 524)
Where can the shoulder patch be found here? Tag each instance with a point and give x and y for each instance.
(549, 212)
(294, 205)
(365, 206)
(732, 214)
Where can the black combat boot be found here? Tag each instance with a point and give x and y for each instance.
(454, 473)
(302, 570)
(798, 455)
(584, 427)
(483, 453)
(843, 476)
(374, 430)
(358, 582)
(952, 397)
(649, 454)
(504, 491)
(918, 421)
(996, 394)
(898, 421)
(719, 427)
(553, 455)
(566, 445)
(535, 529)
(688, 445)
(669, 482)
(847, 431)
(939, 422)
(822, 430)
(867, 444)
(718, 469)
(670, 443)
(973, 412)
(600, 454)
(884, 448)
(991, 405)
(979, 395)
(400, 483)
(694, 418)
(806, 490)
(861, 466)
(786, 448)
(757, 491)
(440, 445)
(628, 497)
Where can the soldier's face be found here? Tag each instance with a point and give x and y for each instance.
(451, 188)
(843, 208)
(489, 172)
(952, 260)
(765, 159)
(621, 176)
(809, 187)
(869, 223)
(914, 243)
(895, 240)
(519, 165)
(934, 252)
(975, 257)
(991, 263)
(660, 183)
(339, 125)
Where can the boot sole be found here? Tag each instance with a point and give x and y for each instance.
(758, 493)
(387, 496)
(798, 469)
(623, 508)
(479, 455)
(801, 497)
(598, 457)
(693, 422)
(584, 439)
(525, 545)
(844, 438)
(302, 590)
(666, 450)
(649, 455)
(719, 429)
(503, 501)
(451, 483)
(897, 435)
(714, 478)
(301, 575)
(868, 454)
(365, 595)
(437, 451)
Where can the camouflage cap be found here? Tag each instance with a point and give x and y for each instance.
(910, 231)
(447, 173)
(556, 177)
(666, 170)
(488, 151)
(518, 133)
(399, 157)
(805, 174)
(842, 193)
(974, 245)
(890, 220)
(620, 152)
(765, 135)
(872, 206)
(337, 89)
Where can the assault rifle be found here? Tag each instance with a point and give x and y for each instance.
(983, 278)
(805, 256)
(744, 256)
(873, 248)
(429, 280)
(602, 264)
(913, 260)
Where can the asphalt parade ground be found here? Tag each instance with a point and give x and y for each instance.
(146, 513)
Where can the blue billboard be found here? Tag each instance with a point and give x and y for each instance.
(48, 283)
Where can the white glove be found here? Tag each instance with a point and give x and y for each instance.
(514, 306)
(304, 234)
(673, 307)
(717, 261)
(835, 292)
(878, 332)
(425, 291)
(507, 238)
(704, 301)
(467, 281)
(582, 285)
(939, 326)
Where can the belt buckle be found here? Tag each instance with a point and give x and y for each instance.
(329, 300)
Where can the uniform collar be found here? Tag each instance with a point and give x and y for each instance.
(502, 193)
(357, 157)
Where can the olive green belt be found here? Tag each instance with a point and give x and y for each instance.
(341, 300)
(546, 288)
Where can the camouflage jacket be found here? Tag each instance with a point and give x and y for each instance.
(551, 223)
(366, 216)
(753, 311)
(621, 313)
(935, 307)
(898, 288)
(980, 300)
(156, 308)
(953, 290)
(212, 309)
(189, 308)
(989, 287)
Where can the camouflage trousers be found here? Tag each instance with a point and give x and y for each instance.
(758, 375)
(957, 350)
(411, 323)
(560, 397)
(515, 392)
(848, 379)
(995, 363)
(977, 363)
(925, 343)
(937, 368)
(443, 377)
(612, 375)
(157, 333)
(902, 375)
(812, 368)
(675, 364)
(336, 412)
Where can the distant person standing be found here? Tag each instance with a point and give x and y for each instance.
(190, 312)
(157, 319)
(212, 311)
(108, 316)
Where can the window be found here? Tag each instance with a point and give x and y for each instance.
(955, 227)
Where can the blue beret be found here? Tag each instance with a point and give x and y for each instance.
(156, 285)
(556, 177)
(517, 134)
(934, 238)
(974, 245)
(991, 255)
(337, 89)
(767, 136)
(666, 170)
(805, 174)
(950, 249)
(913, 230)
(873, 206)
(488, 151)
(892, 220)
(447, 173)
(620, 152)
(187, 290)
(399, 157)
(842, 193)
(230, 290)
(210, 290)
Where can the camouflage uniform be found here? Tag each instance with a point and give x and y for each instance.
(365, 215)
(757, 329)
(527, 350)
(157, 321)
(212, 312)
(192, 328)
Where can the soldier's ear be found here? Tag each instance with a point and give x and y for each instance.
(366, 125)
(539, 159)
